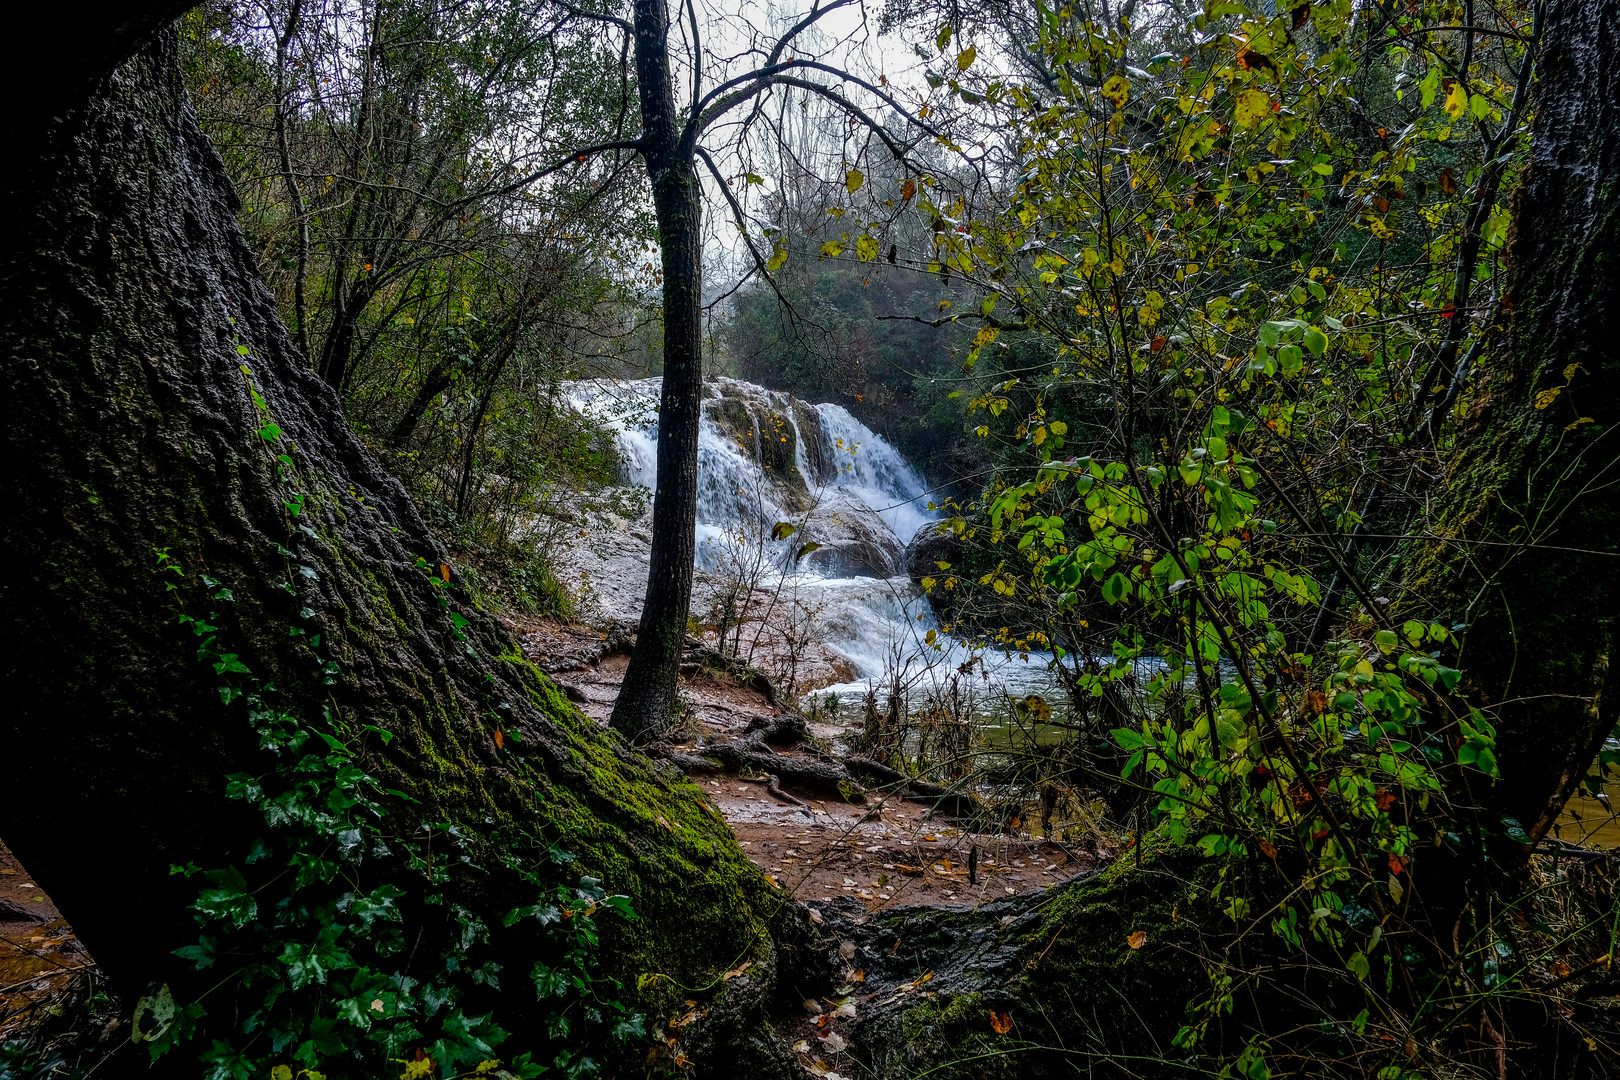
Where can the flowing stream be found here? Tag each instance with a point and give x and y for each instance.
(852, 503)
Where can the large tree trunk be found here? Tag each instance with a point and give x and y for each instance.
(132, 324)
(646, 702)
(1528, 528)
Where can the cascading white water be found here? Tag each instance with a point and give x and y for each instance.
(872, 616)
(875, 472)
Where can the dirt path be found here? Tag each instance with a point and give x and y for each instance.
(889, 852)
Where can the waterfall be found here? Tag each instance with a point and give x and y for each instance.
(876, 473)
(843, 487)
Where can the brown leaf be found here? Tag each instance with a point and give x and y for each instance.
(908, 190)
(1268, 849)
(1448, 183)
(1000, 1023)
(500, 740)
(1137, 939)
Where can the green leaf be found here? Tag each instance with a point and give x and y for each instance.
(782, 530)
(1315, 340)
(1115, 588)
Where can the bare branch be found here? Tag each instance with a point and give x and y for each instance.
(622, 24)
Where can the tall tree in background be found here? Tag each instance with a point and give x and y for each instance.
(671, 142)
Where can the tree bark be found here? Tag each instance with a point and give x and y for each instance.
(646, 703)
(133, 330)
(1526, 547)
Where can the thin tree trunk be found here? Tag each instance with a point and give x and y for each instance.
(646, 703)
(1529, 524)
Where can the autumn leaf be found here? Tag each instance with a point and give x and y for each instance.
(1158, 343)
(1000, 1023)
(1456, 104)
(853, 180)
(1268, 849)
(965, 58)
(778, 260)
(1396, 866)
(1137, 939)
(908, 190)
(1384, 799)
(1117, 89)
(831, 249)
(500, 739)
(1448, 183)
(1548, 396)
(866, 248)
(1251, 107)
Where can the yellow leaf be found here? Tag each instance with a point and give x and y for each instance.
(867, 248)
(1252, 106)
(1547, 397)
(1000, 1023)
(1137, 939)
(831, 249)
(965, 58)
(1117, 89)
(281, 1072)
(1577, 423)
(1570, 370)
(1456, 101)
(853, 180)
(778, 260)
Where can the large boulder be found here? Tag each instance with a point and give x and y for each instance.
(855, 541)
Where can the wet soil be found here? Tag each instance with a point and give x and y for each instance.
(39, 954)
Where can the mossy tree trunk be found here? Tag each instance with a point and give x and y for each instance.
(135, 330)
(1527, 531)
